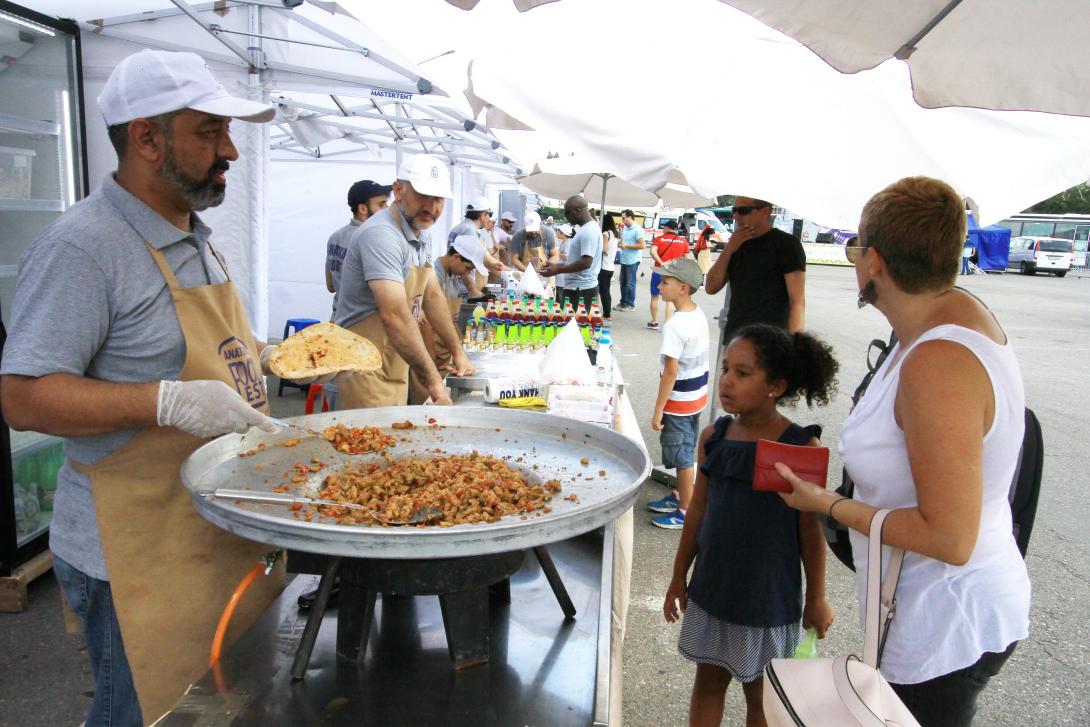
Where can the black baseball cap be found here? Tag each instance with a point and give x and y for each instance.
(364, 190)
(669, 224)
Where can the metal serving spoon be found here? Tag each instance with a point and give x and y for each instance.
(418, 517)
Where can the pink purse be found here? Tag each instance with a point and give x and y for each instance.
(844, 691)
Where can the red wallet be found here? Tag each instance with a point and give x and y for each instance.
(809, 463)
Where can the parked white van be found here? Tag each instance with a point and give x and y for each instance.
(1050, 254)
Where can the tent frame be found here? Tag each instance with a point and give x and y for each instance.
(418, 117)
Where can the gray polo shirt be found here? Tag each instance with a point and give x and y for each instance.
(90, 301)
(518, 241)
(587, 241)
(335, 251)
(379, 249)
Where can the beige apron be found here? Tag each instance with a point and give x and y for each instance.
(440, 354)
(171, 571)
(388, 385)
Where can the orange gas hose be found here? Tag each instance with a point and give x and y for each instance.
(229, 611)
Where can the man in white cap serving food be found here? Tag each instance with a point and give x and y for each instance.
(388, 281)
(130, 341)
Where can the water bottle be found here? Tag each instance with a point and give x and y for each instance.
(604, 362)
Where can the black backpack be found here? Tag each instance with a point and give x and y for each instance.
(1024, 492)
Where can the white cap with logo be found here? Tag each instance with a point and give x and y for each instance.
(480, 204)
(154, 82)
(509, 217)
(427, 174)
(532, 222)
(469, 247)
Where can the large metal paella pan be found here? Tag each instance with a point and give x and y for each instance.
(540, 446)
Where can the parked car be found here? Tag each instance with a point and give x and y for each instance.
(1048, 254)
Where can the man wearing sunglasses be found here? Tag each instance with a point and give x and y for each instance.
(766, 269)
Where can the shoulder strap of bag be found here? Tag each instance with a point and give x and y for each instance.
(881, 601)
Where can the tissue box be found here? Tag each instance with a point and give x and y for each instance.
(15, 172)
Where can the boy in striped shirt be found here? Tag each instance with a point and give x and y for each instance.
(683, 387)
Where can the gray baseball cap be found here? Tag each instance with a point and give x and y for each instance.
(686, 270)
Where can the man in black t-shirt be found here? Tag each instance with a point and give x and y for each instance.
(766, 269)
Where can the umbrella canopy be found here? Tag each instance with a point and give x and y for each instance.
(993, 54)
(566, 176)
(787, 127)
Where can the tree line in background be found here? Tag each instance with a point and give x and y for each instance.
(1074, 201)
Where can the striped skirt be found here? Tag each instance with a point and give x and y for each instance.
(744, 651)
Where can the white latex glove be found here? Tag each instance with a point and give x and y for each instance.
(267, 353)
(207, 409)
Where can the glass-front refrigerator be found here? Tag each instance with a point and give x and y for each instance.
(42, 173)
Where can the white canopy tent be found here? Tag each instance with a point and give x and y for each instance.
(747, 110)
(350, 107)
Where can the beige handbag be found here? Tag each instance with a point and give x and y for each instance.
(844, 691)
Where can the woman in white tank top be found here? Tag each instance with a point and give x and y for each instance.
(936, 439)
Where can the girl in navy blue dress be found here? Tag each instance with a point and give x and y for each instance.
(744, 603)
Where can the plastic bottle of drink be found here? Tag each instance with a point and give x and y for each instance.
(491, 309)
(569, 312)
(501, 337)
(604, 362)
(478, 314)
(595, 315)
(581, 314)
(467, 340)
(550, 333)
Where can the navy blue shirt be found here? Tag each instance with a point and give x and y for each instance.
(748, 566)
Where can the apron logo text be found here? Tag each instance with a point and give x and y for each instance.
(243, 371)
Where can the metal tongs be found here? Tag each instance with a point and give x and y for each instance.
(419, 516)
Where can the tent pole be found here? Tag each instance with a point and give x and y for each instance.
(605, 181)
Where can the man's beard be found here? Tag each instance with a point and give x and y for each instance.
(414, 222)
(199, 194)
(867, 295)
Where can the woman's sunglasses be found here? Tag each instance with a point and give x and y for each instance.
(745, 210)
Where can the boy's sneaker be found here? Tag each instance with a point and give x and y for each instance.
(672, 521)
(666, 504)
(653, 325)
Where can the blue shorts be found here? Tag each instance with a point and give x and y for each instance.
(678, 440)
(655, 280)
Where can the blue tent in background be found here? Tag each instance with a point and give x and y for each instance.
(992, 243)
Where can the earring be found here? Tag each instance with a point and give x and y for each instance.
(771, 394)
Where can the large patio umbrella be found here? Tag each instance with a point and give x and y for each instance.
(563, 177)
(993, 54)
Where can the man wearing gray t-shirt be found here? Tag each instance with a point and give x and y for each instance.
(129, 341)
(584, 255)
(365, 198)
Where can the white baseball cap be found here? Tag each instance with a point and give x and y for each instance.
(509, 216)
(154, 82)
(469, 247)
(428, 175)
(480, 204)
(532, 222)
(566, 229)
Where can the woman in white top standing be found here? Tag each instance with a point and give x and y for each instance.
(609, 256)
(935, 438)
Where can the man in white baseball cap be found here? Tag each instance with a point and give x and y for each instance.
(478, 221)
(129, 340)
(533, 244)
(387, 282)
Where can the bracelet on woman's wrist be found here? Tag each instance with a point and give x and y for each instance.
(842, 499)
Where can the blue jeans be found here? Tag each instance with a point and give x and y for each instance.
(629, 273)
(114, 703)
(965, 266)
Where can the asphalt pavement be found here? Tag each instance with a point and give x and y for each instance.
(44, 678)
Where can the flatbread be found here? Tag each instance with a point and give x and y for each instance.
(323, 348)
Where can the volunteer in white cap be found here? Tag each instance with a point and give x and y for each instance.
(478, 221)
(533, 244)
(387, 282)
(129, 340)
(501, 233)
(464, 257)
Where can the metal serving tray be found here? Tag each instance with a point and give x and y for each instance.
(554, 444)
